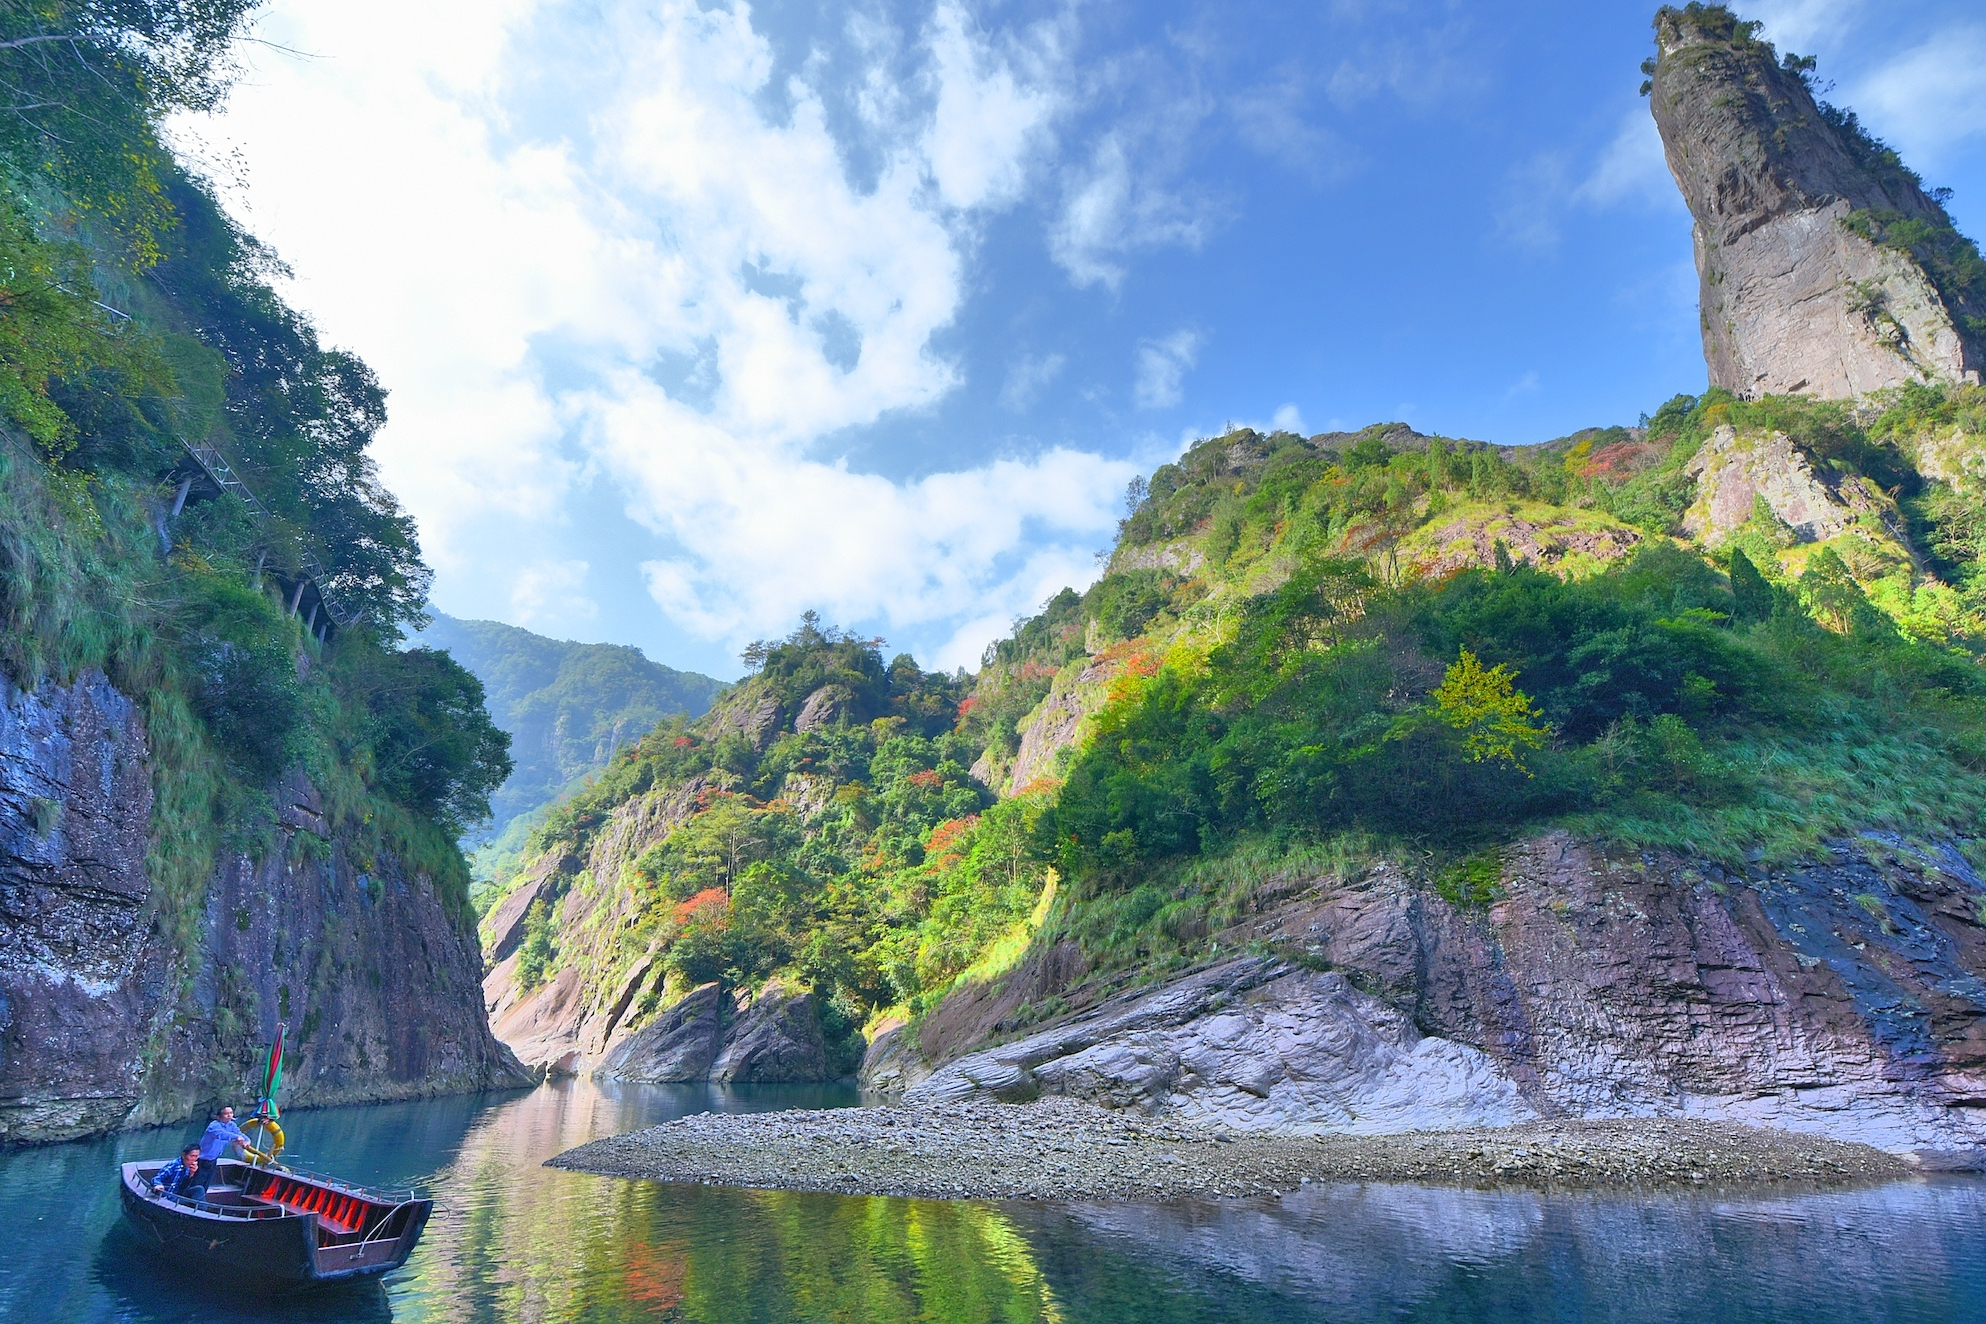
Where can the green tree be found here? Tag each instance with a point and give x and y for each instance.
(534, 955)
(434, 748)
(1751, 595)
(1495, 717)
(88, 84)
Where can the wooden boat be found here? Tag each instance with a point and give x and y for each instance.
(278, 1226)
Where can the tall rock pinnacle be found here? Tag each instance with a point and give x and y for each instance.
(1826, 267)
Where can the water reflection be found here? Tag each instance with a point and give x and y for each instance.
(1910, 1251)
(514, 1241)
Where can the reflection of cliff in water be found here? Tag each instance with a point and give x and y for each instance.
(517, 1241)
(1906, 1251)
(512, 1240)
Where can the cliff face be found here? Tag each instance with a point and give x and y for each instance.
(1843, 997)
(1798, 292)
(605, 1013)
(103, 1024)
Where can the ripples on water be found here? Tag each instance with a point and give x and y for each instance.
(511, 1240)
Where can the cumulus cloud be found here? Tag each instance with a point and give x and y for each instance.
(1631, 167)
(989, 118)
(1161, 369)
(1931, 98)
(1027, 377)
(1803, 26)
(617, 269)
(550, 596)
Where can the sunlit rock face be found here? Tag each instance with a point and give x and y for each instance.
(105, 1021)
(1842, 996)
(1797, 295)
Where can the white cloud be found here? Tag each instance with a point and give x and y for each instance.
(1631, 168)
(763, 535)
(1629, 171)
(1288, 419)
(1803, 26)
(1931, 98)
(549, 597)
(1269, 118)
(988, 121)
(1161, 369)
(1112, 209)
(1027, 377)
(515, 273)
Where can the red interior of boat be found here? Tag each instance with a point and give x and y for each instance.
(341, 1212)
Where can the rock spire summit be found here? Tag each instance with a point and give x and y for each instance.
(1827, 267)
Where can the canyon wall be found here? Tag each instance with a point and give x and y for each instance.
(106, 1022)
(1843, 996)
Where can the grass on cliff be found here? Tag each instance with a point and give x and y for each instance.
(1296, 727)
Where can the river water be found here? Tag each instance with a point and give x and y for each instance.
(511, 1240)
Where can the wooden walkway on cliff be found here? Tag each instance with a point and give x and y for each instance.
(313, 581)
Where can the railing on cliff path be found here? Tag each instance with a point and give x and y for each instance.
(215, 465)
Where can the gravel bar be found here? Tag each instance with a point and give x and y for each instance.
(1056, 1149)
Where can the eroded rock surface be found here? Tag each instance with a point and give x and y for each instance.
(1843, 997)
(1735, 472)
(103, 1023)
(678, 1045)
(773, 1037)
(1252, 1044)
(1794, 298)
(710, 1033)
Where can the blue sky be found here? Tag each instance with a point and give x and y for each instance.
(698, 316)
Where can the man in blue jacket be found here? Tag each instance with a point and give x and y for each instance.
(214, 1142)
(176, 1176)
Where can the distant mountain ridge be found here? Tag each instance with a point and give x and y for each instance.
(567, 706)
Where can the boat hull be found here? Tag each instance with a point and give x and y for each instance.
(276, 1230)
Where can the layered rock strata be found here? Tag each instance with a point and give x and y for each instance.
(1844, 998)
(104, 1023)
(1797, 294)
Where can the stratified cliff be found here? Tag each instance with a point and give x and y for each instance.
(106, 1022)
(1827, 268)
(1843, 995)
(229, 796)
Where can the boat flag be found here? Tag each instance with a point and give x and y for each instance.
(273, 1077)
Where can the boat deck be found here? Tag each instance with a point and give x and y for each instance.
(351, 1230)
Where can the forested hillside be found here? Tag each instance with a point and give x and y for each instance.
(819, 822)
(1734, 631)
(566, 707)
(188, 510)
(1369, 743)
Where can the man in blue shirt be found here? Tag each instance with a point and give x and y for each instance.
(214, 1142)
(174, 1177)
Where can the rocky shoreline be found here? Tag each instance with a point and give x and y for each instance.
(1057, 1149)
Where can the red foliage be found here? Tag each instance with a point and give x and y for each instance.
(927, 780)
(1033, 670)
(1621, 460)
(947, 832)
(684, 742)
(1131, 658)
(711, 906)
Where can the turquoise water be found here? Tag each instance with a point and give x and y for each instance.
(511, 1240)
